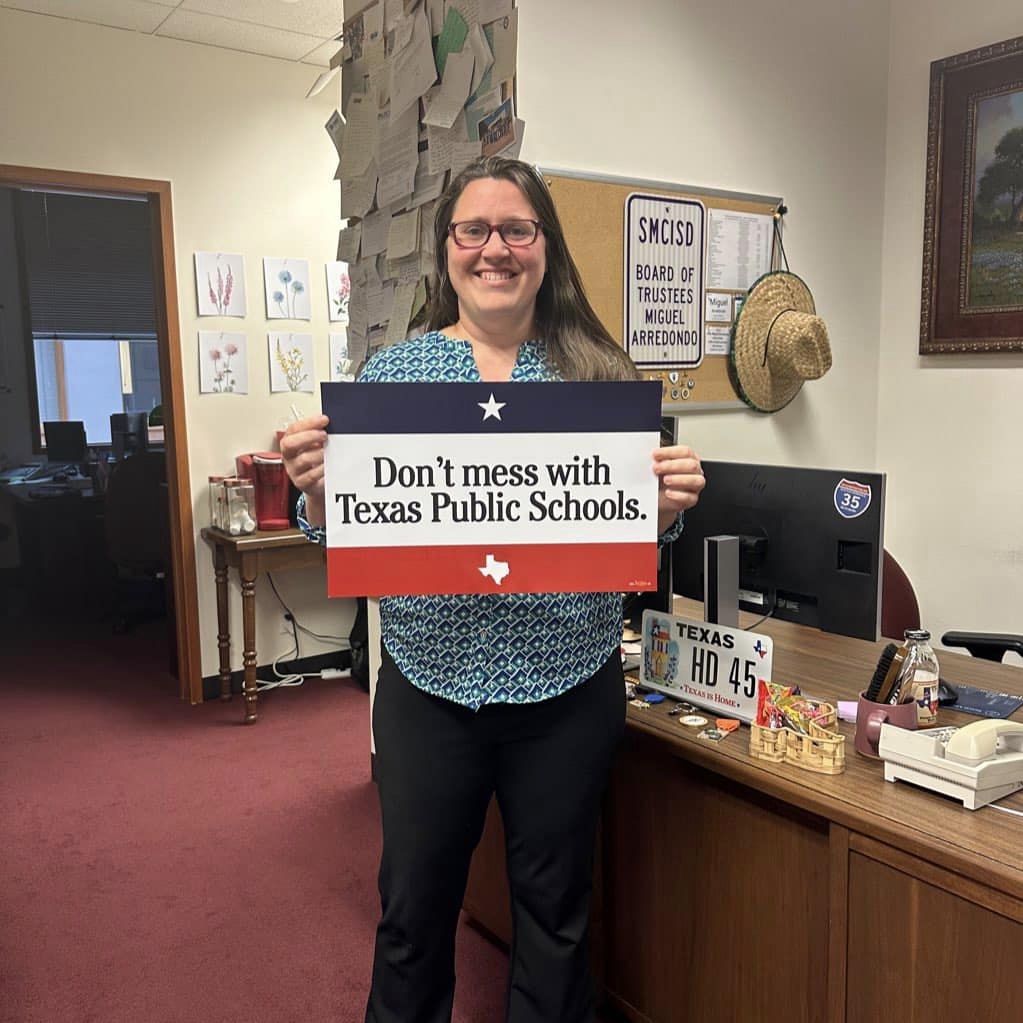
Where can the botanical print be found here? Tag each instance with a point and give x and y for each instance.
(339, 290)
(223, 363)
(291, 362)
(287, 289)
(996, 250)
(342, 367)
(220, 284)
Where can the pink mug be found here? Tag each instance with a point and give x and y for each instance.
(871, 716)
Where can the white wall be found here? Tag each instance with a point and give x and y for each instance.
(949, 427)
(251, 171)
(823, 102)
(826, 105)
(784, 100)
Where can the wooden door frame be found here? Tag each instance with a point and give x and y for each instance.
(165, 296)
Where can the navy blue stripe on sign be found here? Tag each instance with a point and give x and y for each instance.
(627, 406)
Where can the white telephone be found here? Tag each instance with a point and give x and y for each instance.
(977, 764)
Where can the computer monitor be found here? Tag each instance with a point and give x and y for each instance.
(129, 433)
(65, 441)
(811, 543)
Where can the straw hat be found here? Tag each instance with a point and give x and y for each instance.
(778, 341)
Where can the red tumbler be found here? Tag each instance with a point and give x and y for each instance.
(271, 490)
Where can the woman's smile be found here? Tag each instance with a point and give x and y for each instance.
(497, 284)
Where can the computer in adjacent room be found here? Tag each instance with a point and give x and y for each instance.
(65, 443)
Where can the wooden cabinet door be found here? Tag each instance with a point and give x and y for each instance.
(718, 908)
(927, 951)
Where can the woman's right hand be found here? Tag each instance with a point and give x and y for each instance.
(302, 452)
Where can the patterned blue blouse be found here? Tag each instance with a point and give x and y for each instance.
(489, 648)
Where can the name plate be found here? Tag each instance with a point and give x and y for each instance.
(711, 666)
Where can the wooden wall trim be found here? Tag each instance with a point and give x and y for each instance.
(165, 292)
(14, 176)
(186, 601)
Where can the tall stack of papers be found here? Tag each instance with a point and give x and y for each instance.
(428, 87)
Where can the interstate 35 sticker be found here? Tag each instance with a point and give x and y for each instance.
(852, 499)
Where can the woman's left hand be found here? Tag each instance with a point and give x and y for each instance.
(680, 480)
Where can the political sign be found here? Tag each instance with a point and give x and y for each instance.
(505, 487)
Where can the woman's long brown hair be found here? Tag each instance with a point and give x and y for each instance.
(578, 344)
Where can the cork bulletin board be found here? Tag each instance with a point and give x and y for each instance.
(592, 209)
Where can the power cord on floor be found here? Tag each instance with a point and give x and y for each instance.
(295, 679)
(283, 680)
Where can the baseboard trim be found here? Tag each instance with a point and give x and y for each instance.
(300, 666)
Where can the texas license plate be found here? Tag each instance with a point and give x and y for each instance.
(712, 666)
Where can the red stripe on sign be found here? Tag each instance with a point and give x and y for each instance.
(510, 568)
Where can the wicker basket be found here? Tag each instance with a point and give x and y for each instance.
(822, 750)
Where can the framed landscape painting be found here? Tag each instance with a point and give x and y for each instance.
(972, 294)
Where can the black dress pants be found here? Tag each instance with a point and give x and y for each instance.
(437, 765)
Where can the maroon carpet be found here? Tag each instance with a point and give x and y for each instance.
(162, 863)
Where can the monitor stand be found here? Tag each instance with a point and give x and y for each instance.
(721, 580)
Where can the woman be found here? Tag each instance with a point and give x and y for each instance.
(518, 695)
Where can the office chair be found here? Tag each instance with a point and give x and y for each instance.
(989, 646)
(129, 433)
(899, 607)
(138, 537)
(900, 611)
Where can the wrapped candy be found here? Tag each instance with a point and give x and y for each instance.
(781, 706)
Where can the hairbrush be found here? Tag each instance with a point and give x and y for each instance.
(884, 662)
(889, 691)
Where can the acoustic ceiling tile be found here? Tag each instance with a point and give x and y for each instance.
(321, 18)
(136, 15)
(194, 27)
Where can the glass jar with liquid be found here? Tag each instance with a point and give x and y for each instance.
(919, 676)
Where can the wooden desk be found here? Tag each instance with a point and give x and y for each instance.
(257, 552)
(59, 546)
(738, 889)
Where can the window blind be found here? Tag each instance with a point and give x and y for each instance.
(88, 263)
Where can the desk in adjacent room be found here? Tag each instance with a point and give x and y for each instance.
(57, 547)
(737, 889)
(251, 554)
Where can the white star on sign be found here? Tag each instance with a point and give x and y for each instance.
(491, 408)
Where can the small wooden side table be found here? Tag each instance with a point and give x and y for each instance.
(257, 552)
